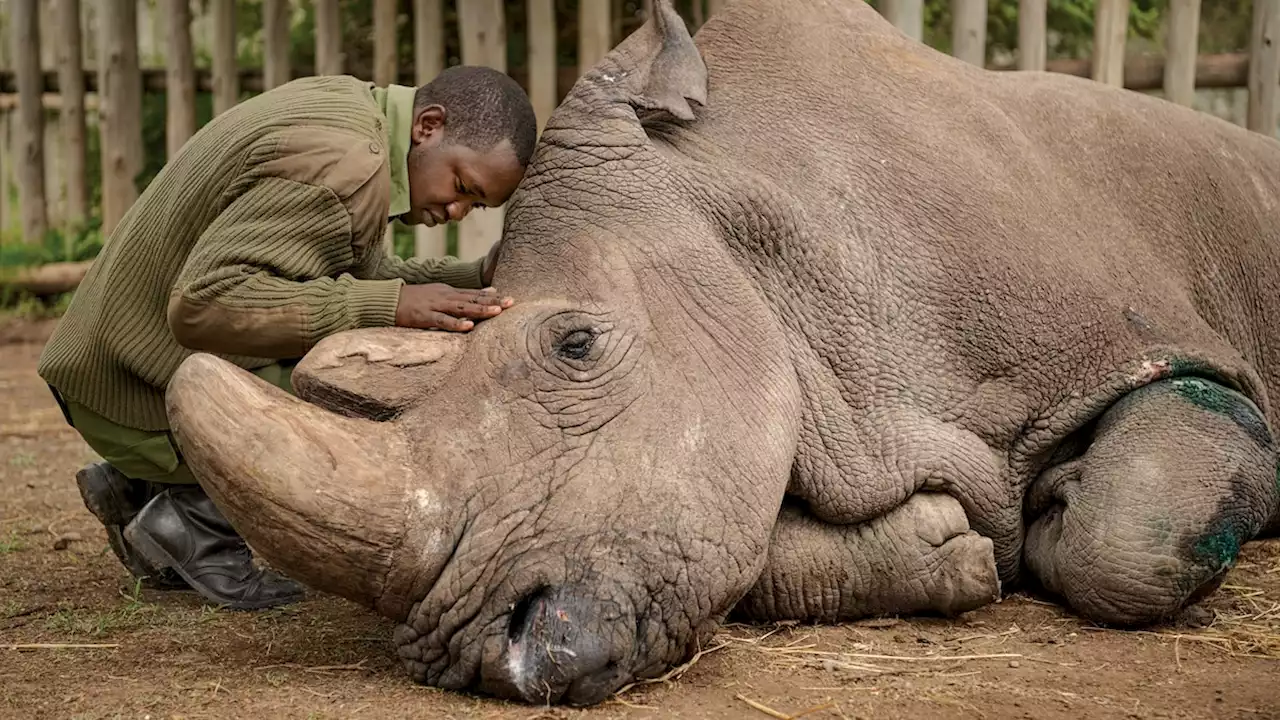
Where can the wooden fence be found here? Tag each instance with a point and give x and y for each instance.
(113, 93)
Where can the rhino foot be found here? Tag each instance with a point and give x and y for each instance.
(1149, 519)
(921, 557)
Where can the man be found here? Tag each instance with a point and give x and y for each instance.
(258, 239)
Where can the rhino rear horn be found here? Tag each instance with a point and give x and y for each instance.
(329, 500)
(660, 65)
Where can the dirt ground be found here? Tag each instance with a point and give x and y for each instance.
(77, 640)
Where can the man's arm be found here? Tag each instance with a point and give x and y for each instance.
(422, 271)
(260, 281)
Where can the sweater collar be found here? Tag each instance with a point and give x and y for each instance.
(396, 103)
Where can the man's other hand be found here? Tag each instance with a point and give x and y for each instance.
(444, 307)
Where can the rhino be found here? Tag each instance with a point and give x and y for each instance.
(812, 323)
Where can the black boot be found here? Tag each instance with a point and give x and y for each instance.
(182, 529)
(115, 499)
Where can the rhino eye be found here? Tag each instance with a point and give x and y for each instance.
(576, 345)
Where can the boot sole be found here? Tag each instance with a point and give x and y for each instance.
(156, 555)
(105, 500)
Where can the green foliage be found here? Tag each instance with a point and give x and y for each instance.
(403, 237)
(11, 543)
(1225, 25)
(59, 245)
(1069, 22)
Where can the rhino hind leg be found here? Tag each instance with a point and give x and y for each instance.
(920, 558)
(1149, 519)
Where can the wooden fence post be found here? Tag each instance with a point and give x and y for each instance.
(384, 73)
(6, 167)
(120, 109)
(90, 21)
(71, 87)
(1111, 25)
(482, 27)
(180, 79)
(6, 124)
(428, 57)
(275, 40)
(715, 6)
(226, 80)
(969, 31)
(25, 26)
(384, 42)
(542, 59)
(329, 60)
(699, 16)
(149, 34)
(906, 15)
(1032, 34)
(595, 33)
(1180, 51)
(55, 194)
(1264, 68)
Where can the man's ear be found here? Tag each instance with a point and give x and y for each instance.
(428, 123)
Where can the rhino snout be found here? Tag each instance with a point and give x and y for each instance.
(564, 645)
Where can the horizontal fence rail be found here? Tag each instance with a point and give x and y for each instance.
(1224, 70)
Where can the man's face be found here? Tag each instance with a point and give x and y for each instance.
(447, 179)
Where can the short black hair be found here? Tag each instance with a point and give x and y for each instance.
(482, 108)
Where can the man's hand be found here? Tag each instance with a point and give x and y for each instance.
(440, 306)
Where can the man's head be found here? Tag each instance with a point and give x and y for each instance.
(473, 133)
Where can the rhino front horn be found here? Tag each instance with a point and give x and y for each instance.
(330, 500)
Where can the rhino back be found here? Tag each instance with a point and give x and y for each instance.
(994, 248)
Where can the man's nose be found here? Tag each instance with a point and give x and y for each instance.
(458, 209)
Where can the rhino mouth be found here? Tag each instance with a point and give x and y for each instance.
(533, 638)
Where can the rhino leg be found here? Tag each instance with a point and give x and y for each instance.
(920, 557)
(1149, 519)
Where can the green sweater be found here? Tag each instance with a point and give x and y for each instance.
(261, 237)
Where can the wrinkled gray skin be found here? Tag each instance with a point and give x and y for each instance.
(875, 332)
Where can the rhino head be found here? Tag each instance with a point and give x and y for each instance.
(577, 492)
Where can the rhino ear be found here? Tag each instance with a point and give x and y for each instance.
(659, 66)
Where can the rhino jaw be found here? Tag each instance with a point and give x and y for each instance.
(330, 500)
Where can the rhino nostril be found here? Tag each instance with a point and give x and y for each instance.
(520, 614)
(561, 643)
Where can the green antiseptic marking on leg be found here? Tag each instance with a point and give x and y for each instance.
(1220, 547)
(1209, 396)
(1216, 398)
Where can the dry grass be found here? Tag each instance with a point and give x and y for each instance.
(1246, 624)
(858, 660)
(1249, 625)
(672, 674)
(761, 707)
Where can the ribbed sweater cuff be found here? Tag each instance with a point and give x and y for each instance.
(463, 274)
(373, 303)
